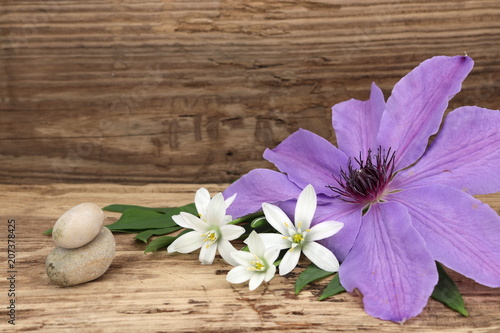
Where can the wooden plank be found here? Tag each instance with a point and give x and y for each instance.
(194, 91)
(162, 292)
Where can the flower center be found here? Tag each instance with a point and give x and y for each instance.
(298, 238)
(210, 237)
(257, 265)
(366, 183)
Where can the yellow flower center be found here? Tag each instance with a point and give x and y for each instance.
(257, 265)
(210, 238)
(297, 238)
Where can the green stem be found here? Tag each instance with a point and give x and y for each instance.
(247, 217)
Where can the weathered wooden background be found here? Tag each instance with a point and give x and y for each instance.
(145, 91)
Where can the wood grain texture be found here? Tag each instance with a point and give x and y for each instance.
(152, 91)
(163, 292)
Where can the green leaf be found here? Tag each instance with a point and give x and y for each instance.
(138, 219)
(145, 235)
(189, 208)
(122, 208)
(48, 232)
(159, 242)
(123, 230)
(310, 274)
(333, 288)
(118, 208)
(446, 292)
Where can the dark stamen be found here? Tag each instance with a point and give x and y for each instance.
(366, 183)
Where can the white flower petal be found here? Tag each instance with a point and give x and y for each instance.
(230, 200)
(271, 270)
(216, 210)
(243, 257)
(255, 280)
(324, 230)
(321, 257)
(289, 261)
(227, 219)
(277, 218)
(225, 250)
(239, 274)
(181, 221)
(207, 253)
(187, 243)
(195, 223)
(271, 255)
(201, 201)
(306, 207)
(231, 232)
(275, 240)
(255, 244)
(291, 232)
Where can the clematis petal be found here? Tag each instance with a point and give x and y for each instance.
(277, 218)
(239, 274)
(255, 244)
(201, 201)
(275, 240)
(324, 230)
(465, 154)
(415, 109)
(186, 243)
(225, 249)
(207, 253)
(288, 207)
(349, 214)
(390, 265)
(216, 210)
(356, 123)
(256, 187)
(193, 222)
(243, 257)
(461, 232)
(321, 256)
(255, 280)
(306, 207)
(231, 232)
(290, 260)
(308, 159)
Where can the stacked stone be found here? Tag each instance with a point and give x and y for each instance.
(84, 248)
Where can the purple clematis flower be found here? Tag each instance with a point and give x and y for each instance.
(403, 206)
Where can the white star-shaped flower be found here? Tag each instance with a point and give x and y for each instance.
(300, 237)
(211, 231)
(255, 266)
(202, 201)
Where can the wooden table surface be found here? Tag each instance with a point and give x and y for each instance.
(173, 292)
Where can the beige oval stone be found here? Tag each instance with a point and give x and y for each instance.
(78, 226)
(67, 267)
